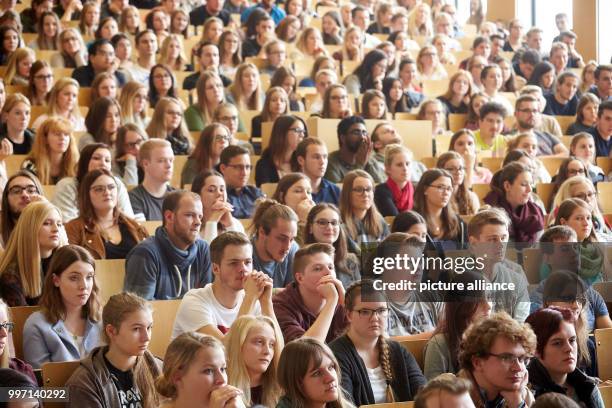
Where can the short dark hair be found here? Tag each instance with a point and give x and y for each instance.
(202, 45)
(357, 9)
(568, 34)
(230, 152)
(602, 67)
(96, 45)
(118, 37)
(564, 75)
(604, 106)
(531, 57)
(172, 201)
(217, 246)
(492, 107)
(346, 123)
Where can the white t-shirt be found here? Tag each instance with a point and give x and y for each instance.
(378, 383)
(200, 308)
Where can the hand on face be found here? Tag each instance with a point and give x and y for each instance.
(226, 396)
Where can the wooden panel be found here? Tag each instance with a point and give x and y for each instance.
(19, 315)
(110, 274)
(605, 196)
(179, 163)
(532, 259)
(456, 121)
(603, 340)
(545, 192)
(268, 188)
(151, 226)
(565, 121)
(13, 163)
(164, 313)
(417, 349)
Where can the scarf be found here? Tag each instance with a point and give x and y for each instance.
(591, 262)
(402, 198)
(526, 220)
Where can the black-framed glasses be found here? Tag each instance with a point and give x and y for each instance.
(324, 223)
(8, 326)
(298, 130)
(368, 313)
(509, 359)
(17, 190)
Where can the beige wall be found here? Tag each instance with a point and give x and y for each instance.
(586, 27)
(501, 10)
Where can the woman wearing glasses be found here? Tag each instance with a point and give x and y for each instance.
(40, 83)
(287, 132)
(207, 153)
(161, 84)
(15, 120)
(6, 361)
(432, 199)
(72, 52)
(361, 220)
(102, 228)
(227, 114)
(465, 201)
(555, 367)
(21, 189)
(323, 225)
(125, 164)
(335, 103)
(374, 369)
(570, 167)
(168, 123)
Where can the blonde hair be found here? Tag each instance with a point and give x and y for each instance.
(148, 146)
(237, 373)
(157, 128)
(12, 100)
(40, 153)
(179, 356)
(12, 65)
(6, 354)
(126, 98)
(301, 42)
(394, 149)
(423, 28)
(372, 221)
(242, 101)
(180, 61)
(60, 85)
(201, 93)
(23, 250)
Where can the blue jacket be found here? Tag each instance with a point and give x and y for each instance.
(45, 342)
(156, 269)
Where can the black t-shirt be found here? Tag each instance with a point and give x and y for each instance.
(129, 396)
(120, 250)
(19, 148)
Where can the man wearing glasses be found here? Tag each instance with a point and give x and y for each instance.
(236, 169)
(494, 355)
(355, 152)
(101, 59)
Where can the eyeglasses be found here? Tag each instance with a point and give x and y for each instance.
(103, 189)
(362, 190)
(441, 188)
(8, 326)
(574, 172)
(509, 359)
(455, 169)
(17, 190)
(298, 130)
(134, 144)
(47, 77)
(586, 196)
(222, 138)
(324, 223)
(368, 313)
(338, 97)
(240, 167)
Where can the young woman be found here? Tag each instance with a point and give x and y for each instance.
(48, 29)
(492, 81)
(254, 346)
(586, 114)
(286, 79)
(212, 30)
(287, 132)
(511, 190)
(94, 156)
(185, 384)
(22, 187)
(106, 29)
(555, 367)
(352, 45)
(6, 361)
(209, 89)
(396, 194)
(179, 23)
(40, 83)
(335, 103)
(102, 121)
(583, 148)
(90, 19)
(371, 71)
(172, 53)
(420, 21)
(129, 22)
(463, 142)
(463, 308)
(54, 153)
(434, 111)
(407, 74)
(332, 28)
(310, 43)
(428, 64)
(210, 186)
(373, 105)
(162, 83)
(322, 62)
(133, 103)
(126, 325)
(432, 199)
(275, 105)
(207, 152)
(62, 102)
(376, 370)
(587, 78)
(360, 218)
(15, 120)
(457, 96)
(66, 328)
(18, 67)
(473, 114)
(570, 167)
(395, 98)
(528, 143)
(104, 84)
(230, 53)
(246, 91)
(227, 114)
(309, 375)
(324, 225)
(412, 223)
(294, 190)
(288, 29)
(11, 41)
(441, 43)
(28, 251)
(168, 123)
(102, 228)
(465, 201)
(125, 165)
(543, 75)
(158, 21)
(509, 78)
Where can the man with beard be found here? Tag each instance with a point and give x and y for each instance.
(174, 260)
(355, 152)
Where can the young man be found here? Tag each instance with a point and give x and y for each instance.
(525, 63)
(528, 116)
(236, 168)
(355, 152)
(575, 59)
(559, 57)
(237, 290)
(156, 160)
(488, 236)
(603, 82)
(445, 390)
(264, 32)
(360, 17)
(312, 305)
(602, 131)
(146, 45)
(312, 156)
(208, 58)
(277, 13)
(210, 8)
(322, 80)
(488, 137)
(101, 59)
(385, 134)
(548, 124)
(174, 260)
(564, 101)
(274, 243)
(494, 354)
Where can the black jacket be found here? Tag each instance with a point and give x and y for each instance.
(585, 387)
(383, 198)
(407, 376)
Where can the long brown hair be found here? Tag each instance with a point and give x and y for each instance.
(567, 208)
(461, 197)
(372, 222)
(203, 149)
(86, 209)
(51, 302)
(450, 225)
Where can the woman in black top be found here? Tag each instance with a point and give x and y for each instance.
(16, 116)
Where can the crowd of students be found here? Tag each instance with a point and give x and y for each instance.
(282, 310)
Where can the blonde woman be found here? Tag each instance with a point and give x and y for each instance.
(62, 102)
(39, 231)
(434, 111)
(71, 52)
(352, 48)
(310, 43)
(246, 91)
(428, 64)
(130, 22)
(212, 30)
(54, 153)
(420, 22)
(459, 92)
(16, 115)
(230, 53)
(90, 19)
(275, 105)
(133, 102)
(18, 67)
(172, 53)
(168, 123)
(48, 28)
(210, 92)
(254, 345)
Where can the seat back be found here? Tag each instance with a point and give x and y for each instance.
(56, 374)
(19, 315)
(164, 313)
(110, 274)
(603, 340)
(407, 404)
(415, 347)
